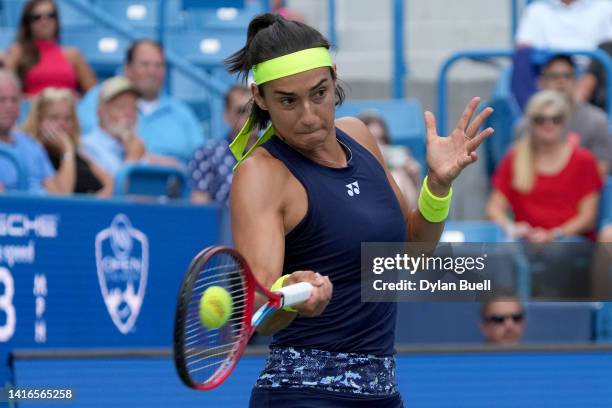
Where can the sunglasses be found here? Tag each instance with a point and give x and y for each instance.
(501, 319)
(555, 120)
(46, 16)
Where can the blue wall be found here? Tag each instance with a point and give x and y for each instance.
(458, 380)
(68, 307)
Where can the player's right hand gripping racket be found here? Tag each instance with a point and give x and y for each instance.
(205, 357)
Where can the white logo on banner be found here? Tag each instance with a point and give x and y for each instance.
(122, 262)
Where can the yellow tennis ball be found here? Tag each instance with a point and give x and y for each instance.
(215, 307)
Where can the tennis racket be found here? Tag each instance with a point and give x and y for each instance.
(205, 357)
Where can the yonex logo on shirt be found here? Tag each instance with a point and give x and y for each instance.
(353, 188)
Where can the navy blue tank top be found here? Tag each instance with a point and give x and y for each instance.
(346, 206)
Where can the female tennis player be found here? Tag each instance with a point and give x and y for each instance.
(312, 189)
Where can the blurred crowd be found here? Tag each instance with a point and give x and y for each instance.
(74, 135)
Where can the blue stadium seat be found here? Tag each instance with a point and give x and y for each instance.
(144, 13)
(150, 180)
(222, 18)
(206, 49)
(404, 118)
(605, 204)
(505, 114)
(103, 49)
(7, 35)
(472, 231)
(21, 172)
(603, 322)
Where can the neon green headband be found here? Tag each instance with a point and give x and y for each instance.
(269, 70)
(291, 64)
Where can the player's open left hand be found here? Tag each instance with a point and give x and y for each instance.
(320, 296)
(447, 156)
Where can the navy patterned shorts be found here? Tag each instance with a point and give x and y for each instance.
(357, 374)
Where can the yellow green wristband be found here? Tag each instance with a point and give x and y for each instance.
(279, 284)
(432, 207)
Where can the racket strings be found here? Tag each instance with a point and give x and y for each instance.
(206, 350)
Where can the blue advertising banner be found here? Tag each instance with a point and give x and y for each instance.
(88, 273)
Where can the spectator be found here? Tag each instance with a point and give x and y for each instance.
(592, 86)
(41, 177)
(587, 124)
(405, 170)
(168, 127)
(279, 7)
(550, 185)
(565, 24)
(115, 141)
(53, 121)
(37, 57)
(212, 165)
(502, 319)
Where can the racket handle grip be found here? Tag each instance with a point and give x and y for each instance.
(296, 293)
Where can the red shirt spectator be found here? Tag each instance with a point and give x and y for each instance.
(554, 198)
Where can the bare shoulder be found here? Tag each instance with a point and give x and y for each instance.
(360, 132)
(72, 53)
(259, 181)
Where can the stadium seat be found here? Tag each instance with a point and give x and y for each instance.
(225, 18)
(472, 231)
(144, 13)
(206, 49)
(605, 204)
(21, 172)
(151, 180)
(505, 114)
(103, 49)
(404, 118)
(603, 322)
(7, 35)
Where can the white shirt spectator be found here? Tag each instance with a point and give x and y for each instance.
(581, 24)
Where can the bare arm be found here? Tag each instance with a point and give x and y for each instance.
(64, 180)
(85, 75)
(200, 197)
(106, 179)
(586, 217)
(257, 208)
(497, 211)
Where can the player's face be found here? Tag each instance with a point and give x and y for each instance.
(301, 107)
(504, 322)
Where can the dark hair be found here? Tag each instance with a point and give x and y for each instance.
(30, 55)
(130, 54)
(234, 89)
(498, 295)
(270, 36)
(368, 117)
(558, 57)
